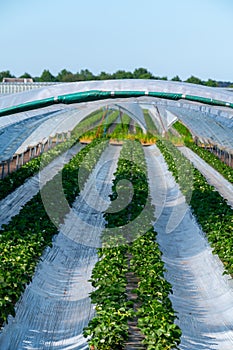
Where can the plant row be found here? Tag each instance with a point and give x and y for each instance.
(101, 129)
(109, 328)
(23, 240)
(211, 210)
(123, 132)
(156, 316)
(122, 129)
(17, 178)
(182, 130)
(205, 154)
(151, 127)
(129, 246)
(210, 158)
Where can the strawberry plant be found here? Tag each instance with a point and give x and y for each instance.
(152, 130)
(182, 130)
(155, 315)
(109, 329)
(121, 130)
(213, 213)
(23, 240)
(210, 158)
(126, 252)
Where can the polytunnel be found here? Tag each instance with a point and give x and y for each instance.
(55, 306)
(71, 102)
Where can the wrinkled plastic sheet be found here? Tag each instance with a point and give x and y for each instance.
(206, 121)
(224, 187)
(12, 204)
(56, 306)
(202, 295)
(116, 85)
(203, 125)
(28, 132)
(12, 136)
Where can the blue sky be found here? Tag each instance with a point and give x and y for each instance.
(168, 37)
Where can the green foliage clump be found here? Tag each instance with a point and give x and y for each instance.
(23, 240)
(131, 251)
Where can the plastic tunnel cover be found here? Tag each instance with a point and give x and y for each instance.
(92, 90)
(173, 94)
(16, 138)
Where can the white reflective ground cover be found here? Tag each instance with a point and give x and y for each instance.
(202, 295)
(13, 203)
(224, 187)
(56, 305)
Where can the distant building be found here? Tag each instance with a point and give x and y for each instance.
(14, 85)
(17, 80)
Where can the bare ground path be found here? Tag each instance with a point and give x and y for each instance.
(202, 295)
(135, 339)
(56, 306)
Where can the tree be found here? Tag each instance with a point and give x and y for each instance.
(211, 82)
(176, 78)
(46, 76)
(66, 76)
(194, 80)
(104, 76)
(122, 74)
(142, 73)
(26, 75)
(85, 74)
(5, 74)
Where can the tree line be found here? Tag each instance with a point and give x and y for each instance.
(66, 76)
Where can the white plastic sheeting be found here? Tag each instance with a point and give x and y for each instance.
(203, 123)
(133, 110)
(202, 295)
(68, 119)
(17, 87)
(56, 306)
(12, 136)
(62, 122)
(212, 125)
(161, 117)
(204, 126)
(224, 187)
(197, 115)
(13, 203)
(17, 138)
(15, 118)
(221, 114)
(117, 85)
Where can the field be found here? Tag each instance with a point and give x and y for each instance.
(115, 239)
